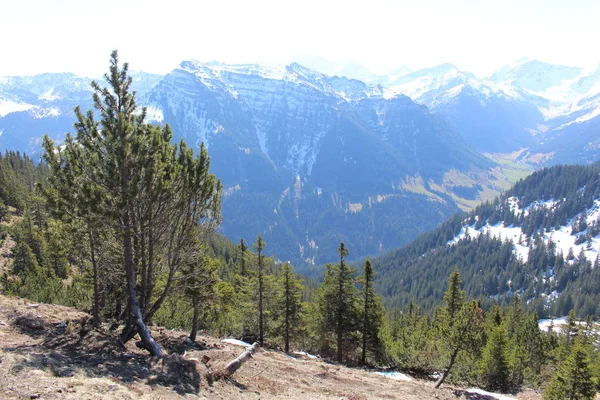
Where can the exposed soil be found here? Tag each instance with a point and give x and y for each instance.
(52, 352)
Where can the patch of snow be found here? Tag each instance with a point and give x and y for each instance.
(303, 353)
(562, 237)
(558, 323)
(395, 375)
(154, 114)
(236, 342)
(45, 112)
(262, 141)
(49, 95)
(8, 107)
(490, 394)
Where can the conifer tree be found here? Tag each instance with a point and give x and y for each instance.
(494, 363)
(289, 304)
(243, 249)
(460, 323)
(151, 193)
(259, 246)
(197, 280)
(337, 303)
(372, 314)
(572, 379)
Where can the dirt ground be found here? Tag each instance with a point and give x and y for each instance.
(51, 352)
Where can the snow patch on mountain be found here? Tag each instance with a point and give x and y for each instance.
(304, 154)
(49, 95)
(9, 106)
(563, 239)
(154, 114)
(39, 112)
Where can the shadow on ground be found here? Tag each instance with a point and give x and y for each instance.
(74, 347)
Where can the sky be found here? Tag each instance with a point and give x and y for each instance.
(478, 36)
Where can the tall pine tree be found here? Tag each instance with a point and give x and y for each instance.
(372, 314)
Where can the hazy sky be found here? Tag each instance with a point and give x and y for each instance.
(154, 36)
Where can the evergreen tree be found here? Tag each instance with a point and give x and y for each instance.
(198, 278)
(494, 363)
(25, 261)
(460, 323)
(572, 379)
(337, 304)
(259, 246)
(243, 249)
(151, 193)
(372, 314)
(289, 304)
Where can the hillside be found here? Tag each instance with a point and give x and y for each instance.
(46, 352)
(540, 239)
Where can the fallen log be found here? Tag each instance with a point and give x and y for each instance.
(235, 364)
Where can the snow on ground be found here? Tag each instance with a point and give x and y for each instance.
(303, 353)
(395, 375)
(510, 233)
(236, 342)
(490, 394)
(558, 323)
(562, 237)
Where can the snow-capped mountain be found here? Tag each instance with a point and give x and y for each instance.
(296, 150)
(521, 106)
(31, 106)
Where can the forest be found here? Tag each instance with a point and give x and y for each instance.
(121, 222)
(492, 271)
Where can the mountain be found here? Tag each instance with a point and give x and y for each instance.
(535, 76)
(309, 159)
(296, 151)
(522, 106)
(32, 106)
(540, 240)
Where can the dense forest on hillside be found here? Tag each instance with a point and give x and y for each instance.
(121, 222)
(552, 282)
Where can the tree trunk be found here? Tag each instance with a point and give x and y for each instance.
(287, 312)
(447, 370)
(363, 357)
(195, 318)
(242, 358)
(135, 315)
(96, 310)
(261, 333)
(339, 317)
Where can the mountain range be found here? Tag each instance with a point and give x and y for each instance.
(309, 159)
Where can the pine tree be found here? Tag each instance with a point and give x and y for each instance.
(372, 314)
(25, 261)
(494, 363)
(259, 246)
(198, 278)
(289, 304)
(151, 193)
(572, 379)
(243, 249)
(454, 297)
(460, 323)
(337, 303)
